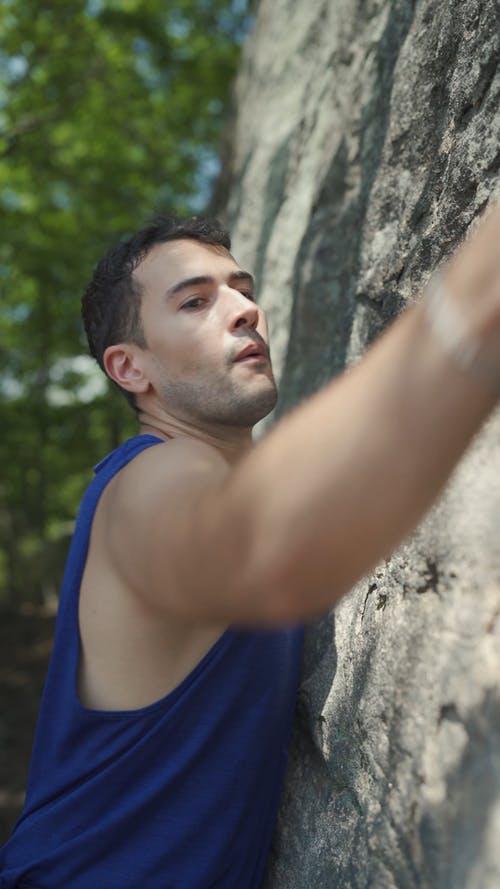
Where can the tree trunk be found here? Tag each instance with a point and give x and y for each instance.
(366, 140)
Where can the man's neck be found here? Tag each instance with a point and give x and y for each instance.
(231, 441)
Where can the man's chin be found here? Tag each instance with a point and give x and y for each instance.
(247, 411)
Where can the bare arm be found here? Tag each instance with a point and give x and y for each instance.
(336, 485)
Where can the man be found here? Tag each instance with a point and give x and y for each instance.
(162, 737)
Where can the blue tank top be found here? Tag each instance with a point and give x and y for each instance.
(181, 794)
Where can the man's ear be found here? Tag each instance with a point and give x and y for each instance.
(122, 363)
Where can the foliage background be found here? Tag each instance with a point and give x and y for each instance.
(109, 109)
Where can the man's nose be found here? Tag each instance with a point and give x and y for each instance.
(243, 311)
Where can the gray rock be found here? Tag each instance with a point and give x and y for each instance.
(366, 141)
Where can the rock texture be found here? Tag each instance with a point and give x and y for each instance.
(366, 141)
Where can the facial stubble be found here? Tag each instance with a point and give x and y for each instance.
(225, 400)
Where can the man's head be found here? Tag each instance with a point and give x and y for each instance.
(111, 304)
(176, 344)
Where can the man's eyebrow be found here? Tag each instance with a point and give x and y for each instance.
(188, 282)
(241, 276)
(207, 279)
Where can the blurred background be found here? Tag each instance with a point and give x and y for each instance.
(109, 111)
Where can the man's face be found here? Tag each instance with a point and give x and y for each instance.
(198, 314)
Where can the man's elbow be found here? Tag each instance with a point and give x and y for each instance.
(275, 591)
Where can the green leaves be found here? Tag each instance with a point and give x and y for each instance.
(109, 109)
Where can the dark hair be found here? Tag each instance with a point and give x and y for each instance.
(111, 304)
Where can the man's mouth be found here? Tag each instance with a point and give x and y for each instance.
(252, 352)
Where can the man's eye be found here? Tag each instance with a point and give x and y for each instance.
(248, 294)
(193, 303)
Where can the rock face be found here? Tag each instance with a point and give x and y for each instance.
(366, 141)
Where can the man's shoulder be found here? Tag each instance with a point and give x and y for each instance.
(171, 456)
(167, 469)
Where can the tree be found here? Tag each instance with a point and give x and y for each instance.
(108, 109)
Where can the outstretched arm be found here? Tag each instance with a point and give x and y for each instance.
(341, 480)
